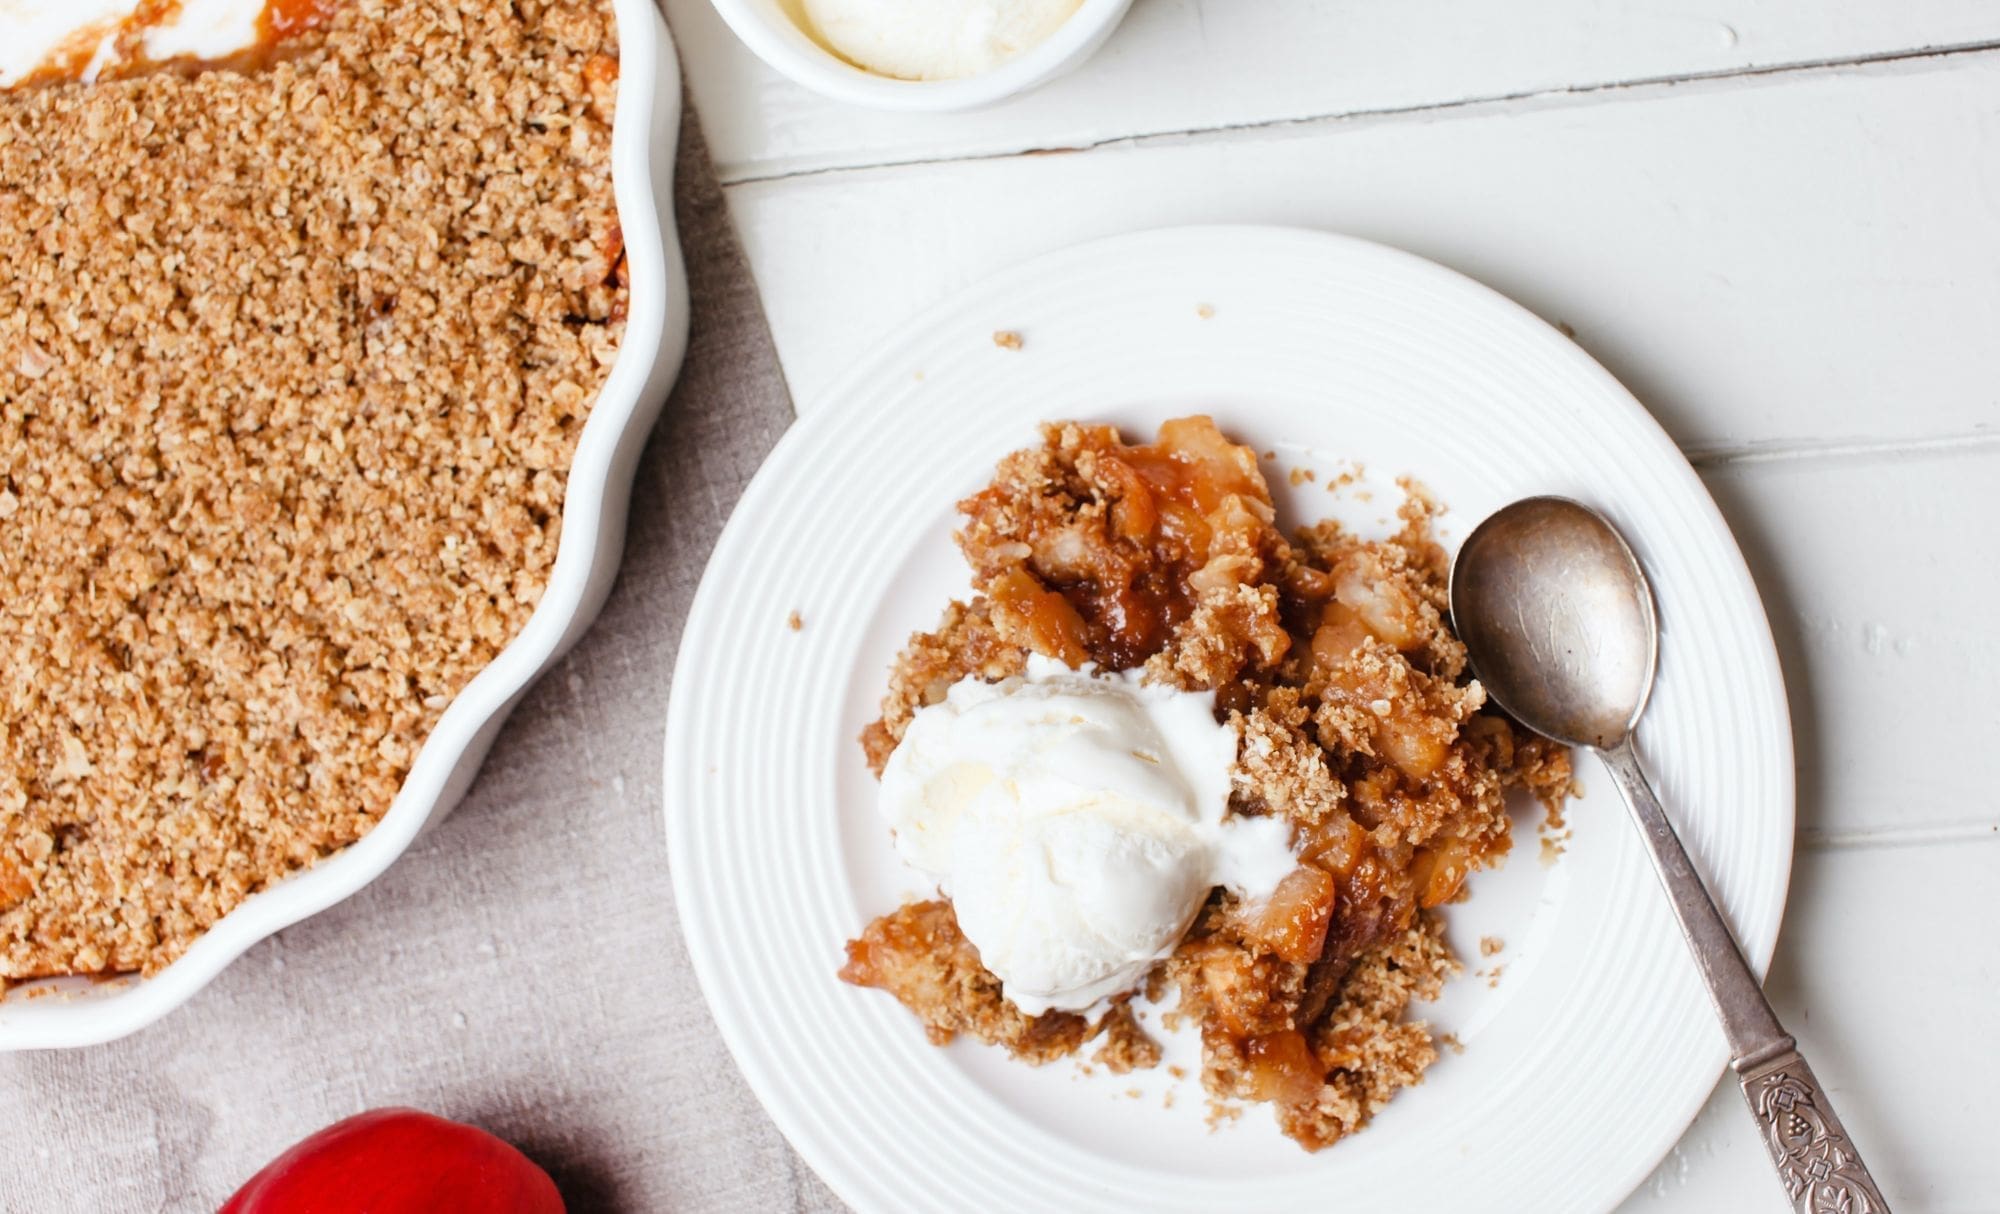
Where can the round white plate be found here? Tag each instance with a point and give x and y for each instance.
(1585, 1055)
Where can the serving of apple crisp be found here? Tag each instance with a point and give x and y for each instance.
(293, 363)
(1357, 735)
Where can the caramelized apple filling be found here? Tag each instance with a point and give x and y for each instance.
(1092, 550)
(1359, 726)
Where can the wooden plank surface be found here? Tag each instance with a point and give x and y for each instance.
(1185, 65)
(1886, 979)
(1878, 572)
(1802, 259)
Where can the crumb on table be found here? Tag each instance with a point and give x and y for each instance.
(1007, 339)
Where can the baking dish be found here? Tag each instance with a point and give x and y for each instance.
(83, 1011)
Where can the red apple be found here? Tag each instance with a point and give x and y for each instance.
(399, 1161)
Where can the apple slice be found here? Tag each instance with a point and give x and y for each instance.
(1292, 922)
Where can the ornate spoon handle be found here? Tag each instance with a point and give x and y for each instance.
(1821, 1171)
(1818, 1165)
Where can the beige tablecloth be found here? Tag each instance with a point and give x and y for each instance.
(521, 967)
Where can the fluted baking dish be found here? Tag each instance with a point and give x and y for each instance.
(83, 1011)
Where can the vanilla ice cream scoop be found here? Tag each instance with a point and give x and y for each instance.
(1077, 821)
(933, 39)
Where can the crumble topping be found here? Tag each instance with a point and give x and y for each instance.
(292, 367)
(918, 954)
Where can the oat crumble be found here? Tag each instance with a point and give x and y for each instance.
(292, 367)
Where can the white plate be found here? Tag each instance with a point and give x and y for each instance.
(1594, 1048)
(77, 1011)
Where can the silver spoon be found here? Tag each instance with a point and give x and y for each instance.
(1557, 616)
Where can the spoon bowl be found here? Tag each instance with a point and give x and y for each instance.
(1558, 613)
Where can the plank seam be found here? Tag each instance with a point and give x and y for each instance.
(1910, 836)
(1722, 456)
(1602, 90)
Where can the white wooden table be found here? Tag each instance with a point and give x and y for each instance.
(1779, 224)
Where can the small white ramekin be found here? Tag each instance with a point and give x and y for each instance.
(776, 38)
(77, 1011)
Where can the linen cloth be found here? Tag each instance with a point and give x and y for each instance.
(521, 967)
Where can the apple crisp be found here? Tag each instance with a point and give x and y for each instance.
(1357, 724)
(292, 367)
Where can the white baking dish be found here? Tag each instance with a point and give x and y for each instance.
(79, 1011)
